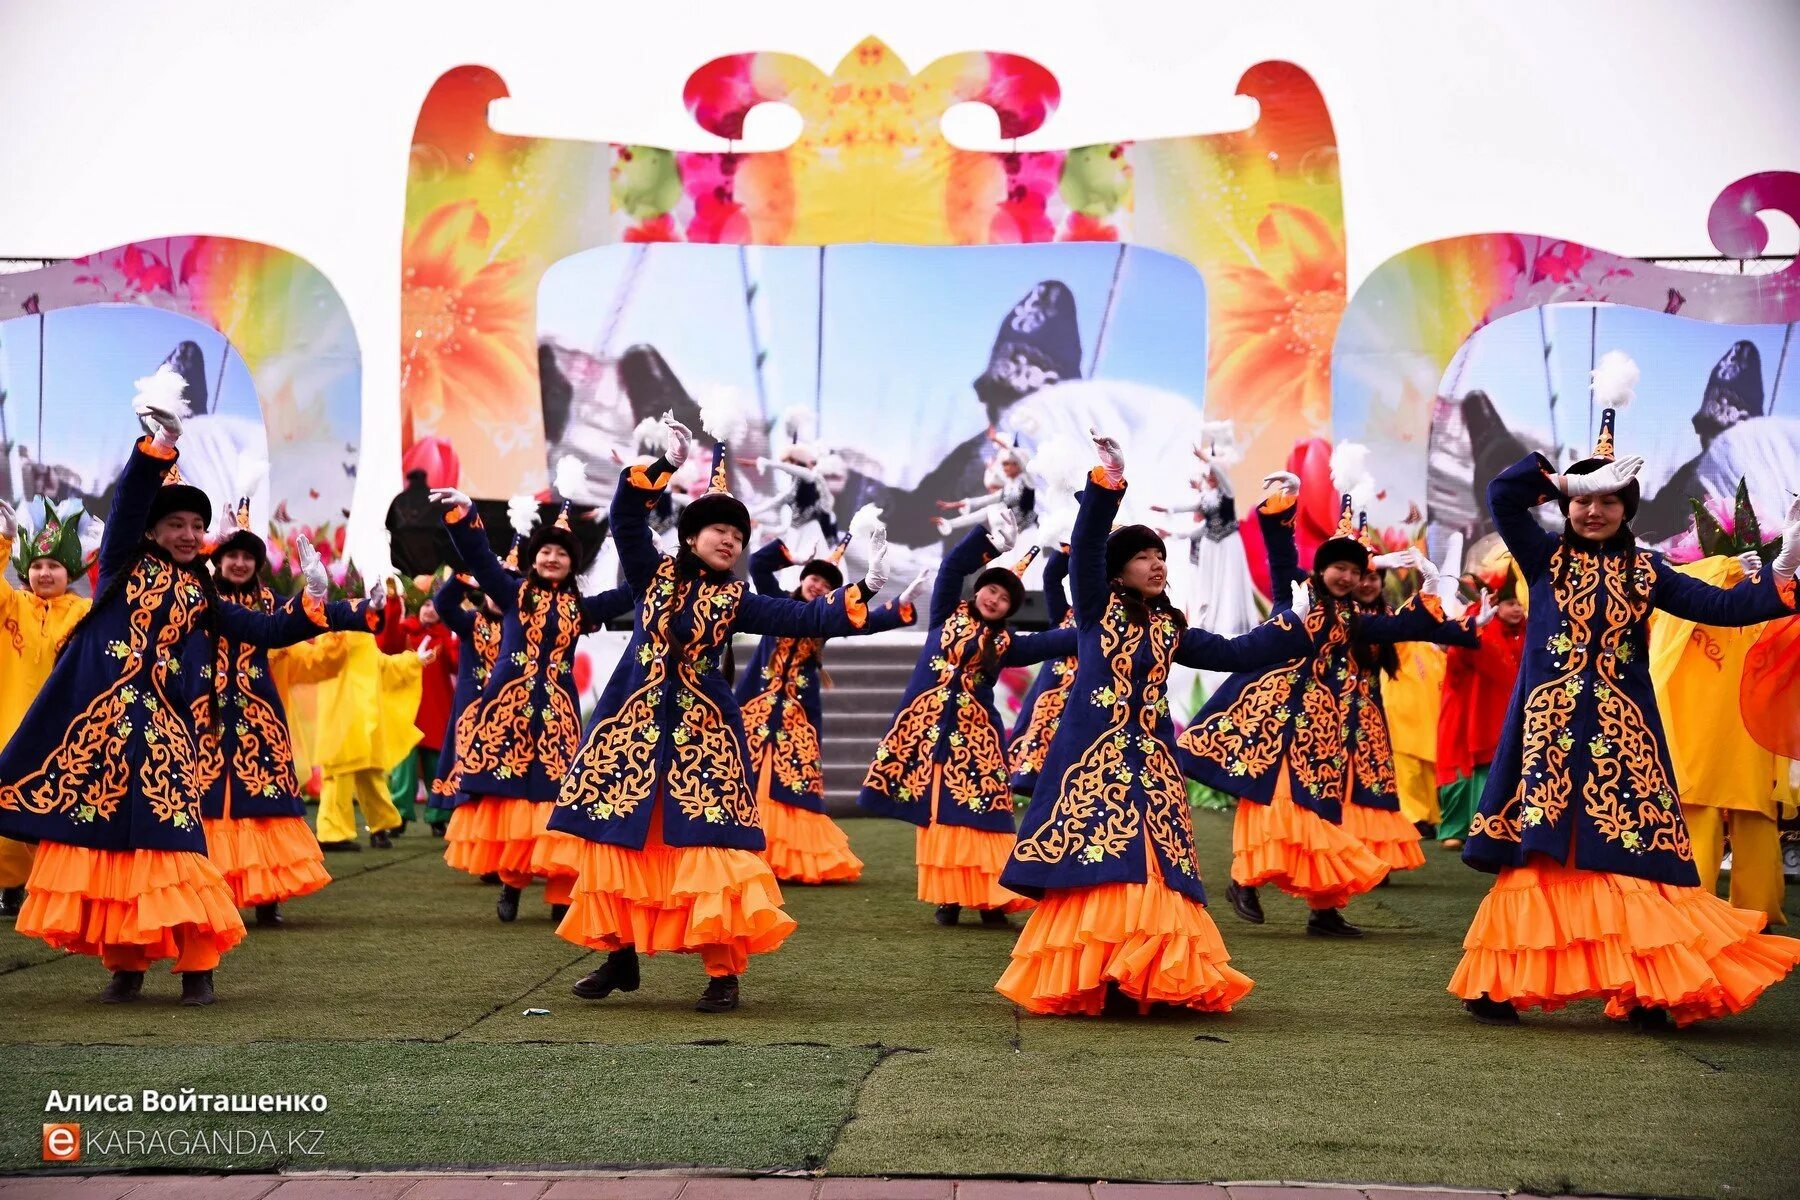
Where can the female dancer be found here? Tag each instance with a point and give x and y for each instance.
(1276, 739)
(779, 695)
(515, 743)
(665, 825)
(103, 772)
(1107, 844)
(478, 626)
(250, 805)
(942, 765)
(1597, 894)
(35, 622)
(1041, 712)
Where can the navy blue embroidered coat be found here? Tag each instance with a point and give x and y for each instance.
(107, 756)
(246, 753)
(477, 647)
(1042, 708)
(1111, 792)
(779, 695)
(1290, 718)
(946, 717)
(518, 739)
(1373, 783)
(667, 727)
(1582, 770)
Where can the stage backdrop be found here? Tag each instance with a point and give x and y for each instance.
(1256, 212)
(1393, 378)
(269, 320)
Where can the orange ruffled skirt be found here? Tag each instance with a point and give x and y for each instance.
(723, 904)
(1547, 934)
(131, 908)
(806, 846)
(501, 835)
(1389, 836)
(959, 865)
(1299, 852)
(1157, 945)
(266, 859)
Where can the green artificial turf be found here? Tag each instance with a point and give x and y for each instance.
(873, 1042)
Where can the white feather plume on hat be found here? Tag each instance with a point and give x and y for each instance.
(1350, 473)
(165, 391)
(569, 479)
(650, 436)
(1615, 379)
(723, 413)
(522, 513)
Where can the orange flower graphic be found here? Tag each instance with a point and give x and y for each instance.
(1277, 319)
(465, 334)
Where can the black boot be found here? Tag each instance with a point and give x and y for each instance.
(196, 988)
(268, 915)
(947, 914)
(557, 913)
(381, 841)
(11, 900)
(507, 907)
(439, 828)
(618, 973)
(721, 995)
(404, 822)
(125, 987)
(1492, 1012)
(1329, 922)
(1427, 830)
(340, 847)
(1244, 902)
(1650, 1020)
(492, 879)
(1118, 1004)
(995, 918)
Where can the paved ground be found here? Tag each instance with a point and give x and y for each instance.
(667, 1187)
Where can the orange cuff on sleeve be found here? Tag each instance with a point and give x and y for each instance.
(148, 445)
(459, 514)
(640, 479)
(1431, 604)
(314, 609)
(908, 614)
(1280, 502)
(856, 605)
(1785, 589)
(1098, 475)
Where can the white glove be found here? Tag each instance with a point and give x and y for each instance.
(1285, 482)
(679, 438)
(876, 577)
(1485, 612)
(1789, 559)
(1111, 457)
(762, 464)
(9, 520)
(1611, 478)
(1300, 599)
(1444, 587)
(1408, 557)
(912, 590)
(160, 400)
(1003, 528)
(450, 498)
(1752, 563)
(318, 584)
(378, 590)
(941, 524)
(426, 654)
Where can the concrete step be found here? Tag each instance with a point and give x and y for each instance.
(855, 727)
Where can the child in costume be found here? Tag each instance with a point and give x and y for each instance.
(779, 695)
(103, 772)
(1597, 895)
(427, 636)
(1041, 711)
(517, 741)
(942, 764)
(1277, 739)
(477, 625)
(367, 699)
(1107, 844)
(250, 805)
(33, 624)
(658, 800)
(1478, 687)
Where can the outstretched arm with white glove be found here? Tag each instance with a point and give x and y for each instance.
(1112, 457)
(1002, 529)
(1788, 561)
(318, 583)
(161, 403)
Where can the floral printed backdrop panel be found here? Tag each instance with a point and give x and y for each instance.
(1393, 370)
(1257, 212)
(263, 338)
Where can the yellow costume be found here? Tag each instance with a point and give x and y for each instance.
(30, 632)
(1727, 781)
(1412, 698)
(364, 705)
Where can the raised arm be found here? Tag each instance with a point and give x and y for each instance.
(1749, 603)
(296, 621)
(794, 470)
(965, 558)
(1088, 586)
(1275, 517)
(1279, 639)
(1512, 495)
(765, 563)
(638, 491)
(448, 600)
(1027, 648)
(1056, 590)
(1420, 619)
(470, 540)
(598, 609)
(130, 517)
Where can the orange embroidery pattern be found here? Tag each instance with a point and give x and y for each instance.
(1373, 754)
(501, 741)
(777, 714)
(1031, 750)
(90, 771)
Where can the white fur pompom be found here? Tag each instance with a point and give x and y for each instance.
(866, 521)
(522, 513)
(166, 390)
(723, 414)
(569, 480)
(1060, 467)
(1615, 379)
(1350, 473)
(650, 436)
